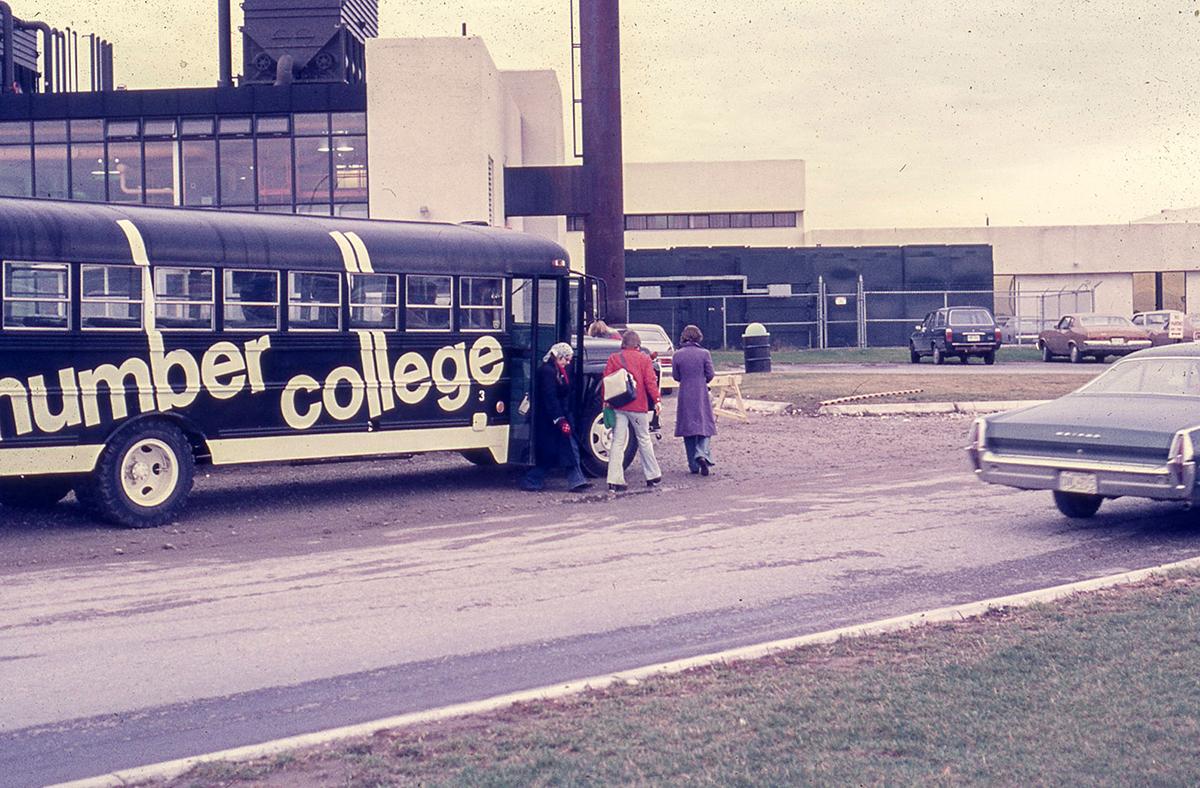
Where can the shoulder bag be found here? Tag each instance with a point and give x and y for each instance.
(619, 387)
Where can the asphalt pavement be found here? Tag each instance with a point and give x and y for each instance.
(402, 591)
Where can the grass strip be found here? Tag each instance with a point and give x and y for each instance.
(731, 359)
(806, 390)
(1096, 689)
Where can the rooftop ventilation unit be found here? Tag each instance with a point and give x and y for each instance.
(307, 40)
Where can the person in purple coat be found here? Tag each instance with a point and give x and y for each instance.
(694, 420)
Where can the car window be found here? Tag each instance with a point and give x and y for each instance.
(970, 317)
(1099, 321)
(1157, 319)
(941, 319)
(1139, 319)
(1166, 376)
(1065, 323)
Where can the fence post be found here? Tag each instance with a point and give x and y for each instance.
(725, 322)
(822, 315)
(861, 300)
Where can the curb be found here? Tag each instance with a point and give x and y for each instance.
(170, 769)
(925, 408)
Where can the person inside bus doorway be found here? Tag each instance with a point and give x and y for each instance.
(634, 415)
(554, 438)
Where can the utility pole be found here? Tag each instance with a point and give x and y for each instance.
(603, 162)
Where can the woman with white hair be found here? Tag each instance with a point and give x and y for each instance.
(554, 428)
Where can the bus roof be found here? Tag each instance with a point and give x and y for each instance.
(60, 231)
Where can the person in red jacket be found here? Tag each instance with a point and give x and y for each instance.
(634, 415)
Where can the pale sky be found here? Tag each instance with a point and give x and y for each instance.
(914, 114)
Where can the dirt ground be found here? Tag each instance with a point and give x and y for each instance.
(262, 511)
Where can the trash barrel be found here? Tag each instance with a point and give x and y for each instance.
(756, 345)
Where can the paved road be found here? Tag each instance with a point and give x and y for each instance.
(108, 663)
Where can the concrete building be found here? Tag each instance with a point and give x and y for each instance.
(726, 203)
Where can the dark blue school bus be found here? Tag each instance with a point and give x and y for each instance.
(137, 343)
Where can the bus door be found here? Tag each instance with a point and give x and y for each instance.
(537, 319)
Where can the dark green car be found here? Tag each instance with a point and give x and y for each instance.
(955, 332)
(1133, 431)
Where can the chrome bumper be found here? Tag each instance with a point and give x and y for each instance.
(1113, 480)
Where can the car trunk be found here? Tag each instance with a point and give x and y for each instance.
(1082, 426)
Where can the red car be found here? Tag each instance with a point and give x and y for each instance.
(1098, 336)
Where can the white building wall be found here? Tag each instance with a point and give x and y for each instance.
(539, 99)
(437, 109)
(711, 187)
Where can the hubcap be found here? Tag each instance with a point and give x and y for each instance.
(600, 438)
(149, 472)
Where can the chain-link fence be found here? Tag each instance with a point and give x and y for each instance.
(844, 317)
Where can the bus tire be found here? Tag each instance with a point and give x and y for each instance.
(143, 476)
(594, 442)
(483, 457)
(35, 493)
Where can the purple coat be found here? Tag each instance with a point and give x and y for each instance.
(692, 367)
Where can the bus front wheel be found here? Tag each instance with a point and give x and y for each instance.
(143, 477)
(594, 444)
(36, 493)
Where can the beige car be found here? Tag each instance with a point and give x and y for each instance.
(1099, 336)
(1168, 326)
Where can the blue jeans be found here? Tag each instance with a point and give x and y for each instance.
(535, 478)
(697, 446)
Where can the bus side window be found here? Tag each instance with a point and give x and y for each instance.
(374, 301)
(111, 297)
(251, 300)
(314, 301)
(428, 302)
(183, 299)
(481, 303)
(36, 296)
(522, 301)
(547, 302)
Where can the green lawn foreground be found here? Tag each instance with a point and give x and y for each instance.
(1101, 688)
(734, 359)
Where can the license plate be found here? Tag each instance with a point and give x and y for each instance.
(974, 337)
(1077, 482)
(1118, 340)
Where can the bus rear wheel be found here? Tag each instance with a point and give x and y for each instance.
(143, 477)
(36, 493)
(594, 444)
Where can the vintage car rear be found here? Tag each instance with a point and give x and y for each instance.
(1133, 431)
(1111, 335)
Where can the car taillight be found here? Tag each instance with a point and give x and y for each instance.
(977, 443)
(997, 335)
(949, 335)
(1182, 452)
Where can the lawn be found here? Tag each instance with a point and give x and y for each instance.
(1096, 689)
(806, 390)
(730, 359)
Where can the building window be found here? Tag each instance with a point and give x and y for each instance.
(36, 295)
(125, 172)
(787, 219)
(308, 124)
(123, 129)
(183, 298)
(314, 301)
(314, 183)
(278, 124)
(349, 169)
(656, 222)
(199, 173)
(111, 297)
(237, 172)
(49, 131)
(89, 130)
(634, 222)
(349, 123)
(428, 302)
(15, 131)
(677, 223)
(50, 169)
(481, 303)
(739, 220)
(231, 126)
(761, 220)
(575, 224)
(162, 179)
(374, 301)
(274, 169)
(698, 221)
(719, 221)
(16, 171)
(88, 172)
(197, 127)
(251, 300)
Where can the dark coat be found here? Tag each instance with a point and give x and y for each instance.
(692, 366)
(553, 404)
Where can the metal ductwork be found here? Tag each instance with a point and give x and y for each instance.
(48, 48)
(325, 39)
